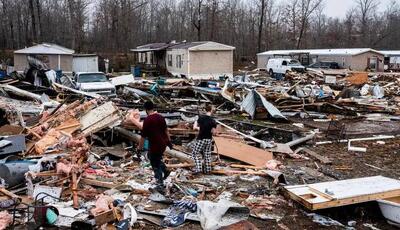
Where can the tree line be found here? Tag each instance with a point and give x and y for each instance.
(116, 26)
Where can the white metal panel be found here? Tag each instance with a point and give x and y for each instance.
(211, 46)
(45, 48)
(342, 52)
(85, 64)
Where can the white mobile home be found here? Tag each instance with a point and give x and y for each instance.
(392, 59)
(200, 60)
(355, 59)
(54, 56)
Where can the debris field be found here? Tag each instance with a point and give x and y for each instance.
(301, 152)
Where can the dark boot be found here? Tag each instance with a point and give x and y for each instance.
(166, 174)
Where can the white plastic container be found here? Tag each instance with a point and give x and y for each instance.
(390, 209)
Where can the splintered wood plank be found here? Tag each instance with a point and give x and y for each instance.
(97, 115)
(105, 217)
(108, 121)
(98, 183)
(242, 152)
(9, 194)
(69, 126)
(319, 157)
(344, 192)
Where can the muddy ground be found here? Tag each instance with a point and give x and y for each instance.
(380, 159)
(383, 159)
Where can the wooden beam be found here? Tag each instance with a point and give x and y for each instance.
(323, 159)
(246, 167)
(183, 165)
(231, 172)
(98, 183)
(74, 188)
(171, 152)
(9, 194)
(105, 217)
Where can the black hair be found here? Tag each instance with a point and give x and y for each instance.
(3, 118)
(208, 108)
(148, 105)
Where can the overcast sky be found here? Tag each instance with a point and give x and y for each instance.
(338, 8)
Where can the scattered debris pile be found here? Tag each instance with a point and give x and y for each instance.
(70, 158)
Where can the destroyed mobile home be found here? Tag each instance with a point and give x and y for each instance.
(283, 151)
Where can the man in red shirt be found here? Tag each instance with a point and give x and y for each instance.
(155, 129)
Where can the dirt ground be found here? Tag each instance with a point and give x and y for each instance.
(383, 159)
(380, 159)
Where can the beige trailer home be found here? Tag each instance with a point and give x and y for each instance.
(200, 60)
(54, 56)
(354, 59)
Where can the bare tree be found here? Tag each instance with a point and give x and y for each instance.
(33, 20)
(262, 6)
(365, 9)
(112, 27)
(307, 8)
(39, 12)
(349, 24)
(197, 19)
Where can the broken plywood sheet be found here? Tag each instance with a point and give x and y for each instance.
(110, 121)
(358, 78)
(344, 192)
(242, 152)
(99, 118)
(69, 126)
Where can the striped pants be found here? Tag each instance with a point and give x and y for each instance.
(202, 151)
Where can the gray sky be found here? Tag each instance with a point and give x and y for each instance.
(338, 8)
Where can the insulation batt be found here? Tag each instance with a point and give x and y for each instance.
(273, 164)
(64, 168)
(5, 220)
(102, 204)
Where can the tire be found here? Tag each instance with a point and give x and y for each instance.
(271, 73)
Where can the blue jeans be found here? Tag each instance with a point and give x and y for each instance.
(158, 166)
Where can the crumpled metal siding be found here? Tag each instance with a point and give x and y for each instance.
(249, 105)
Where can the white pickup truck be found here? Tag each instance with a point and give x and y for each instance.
(283, 65)
(95, 82)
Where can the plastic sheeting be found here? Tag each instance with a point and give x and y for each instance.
(215, 215)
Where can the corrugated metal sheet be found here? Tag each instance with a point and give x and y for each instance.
(249, 105)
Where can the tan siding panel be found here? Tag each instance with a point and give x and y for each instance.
(20, 62)
(211, 62)
(360, 62)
